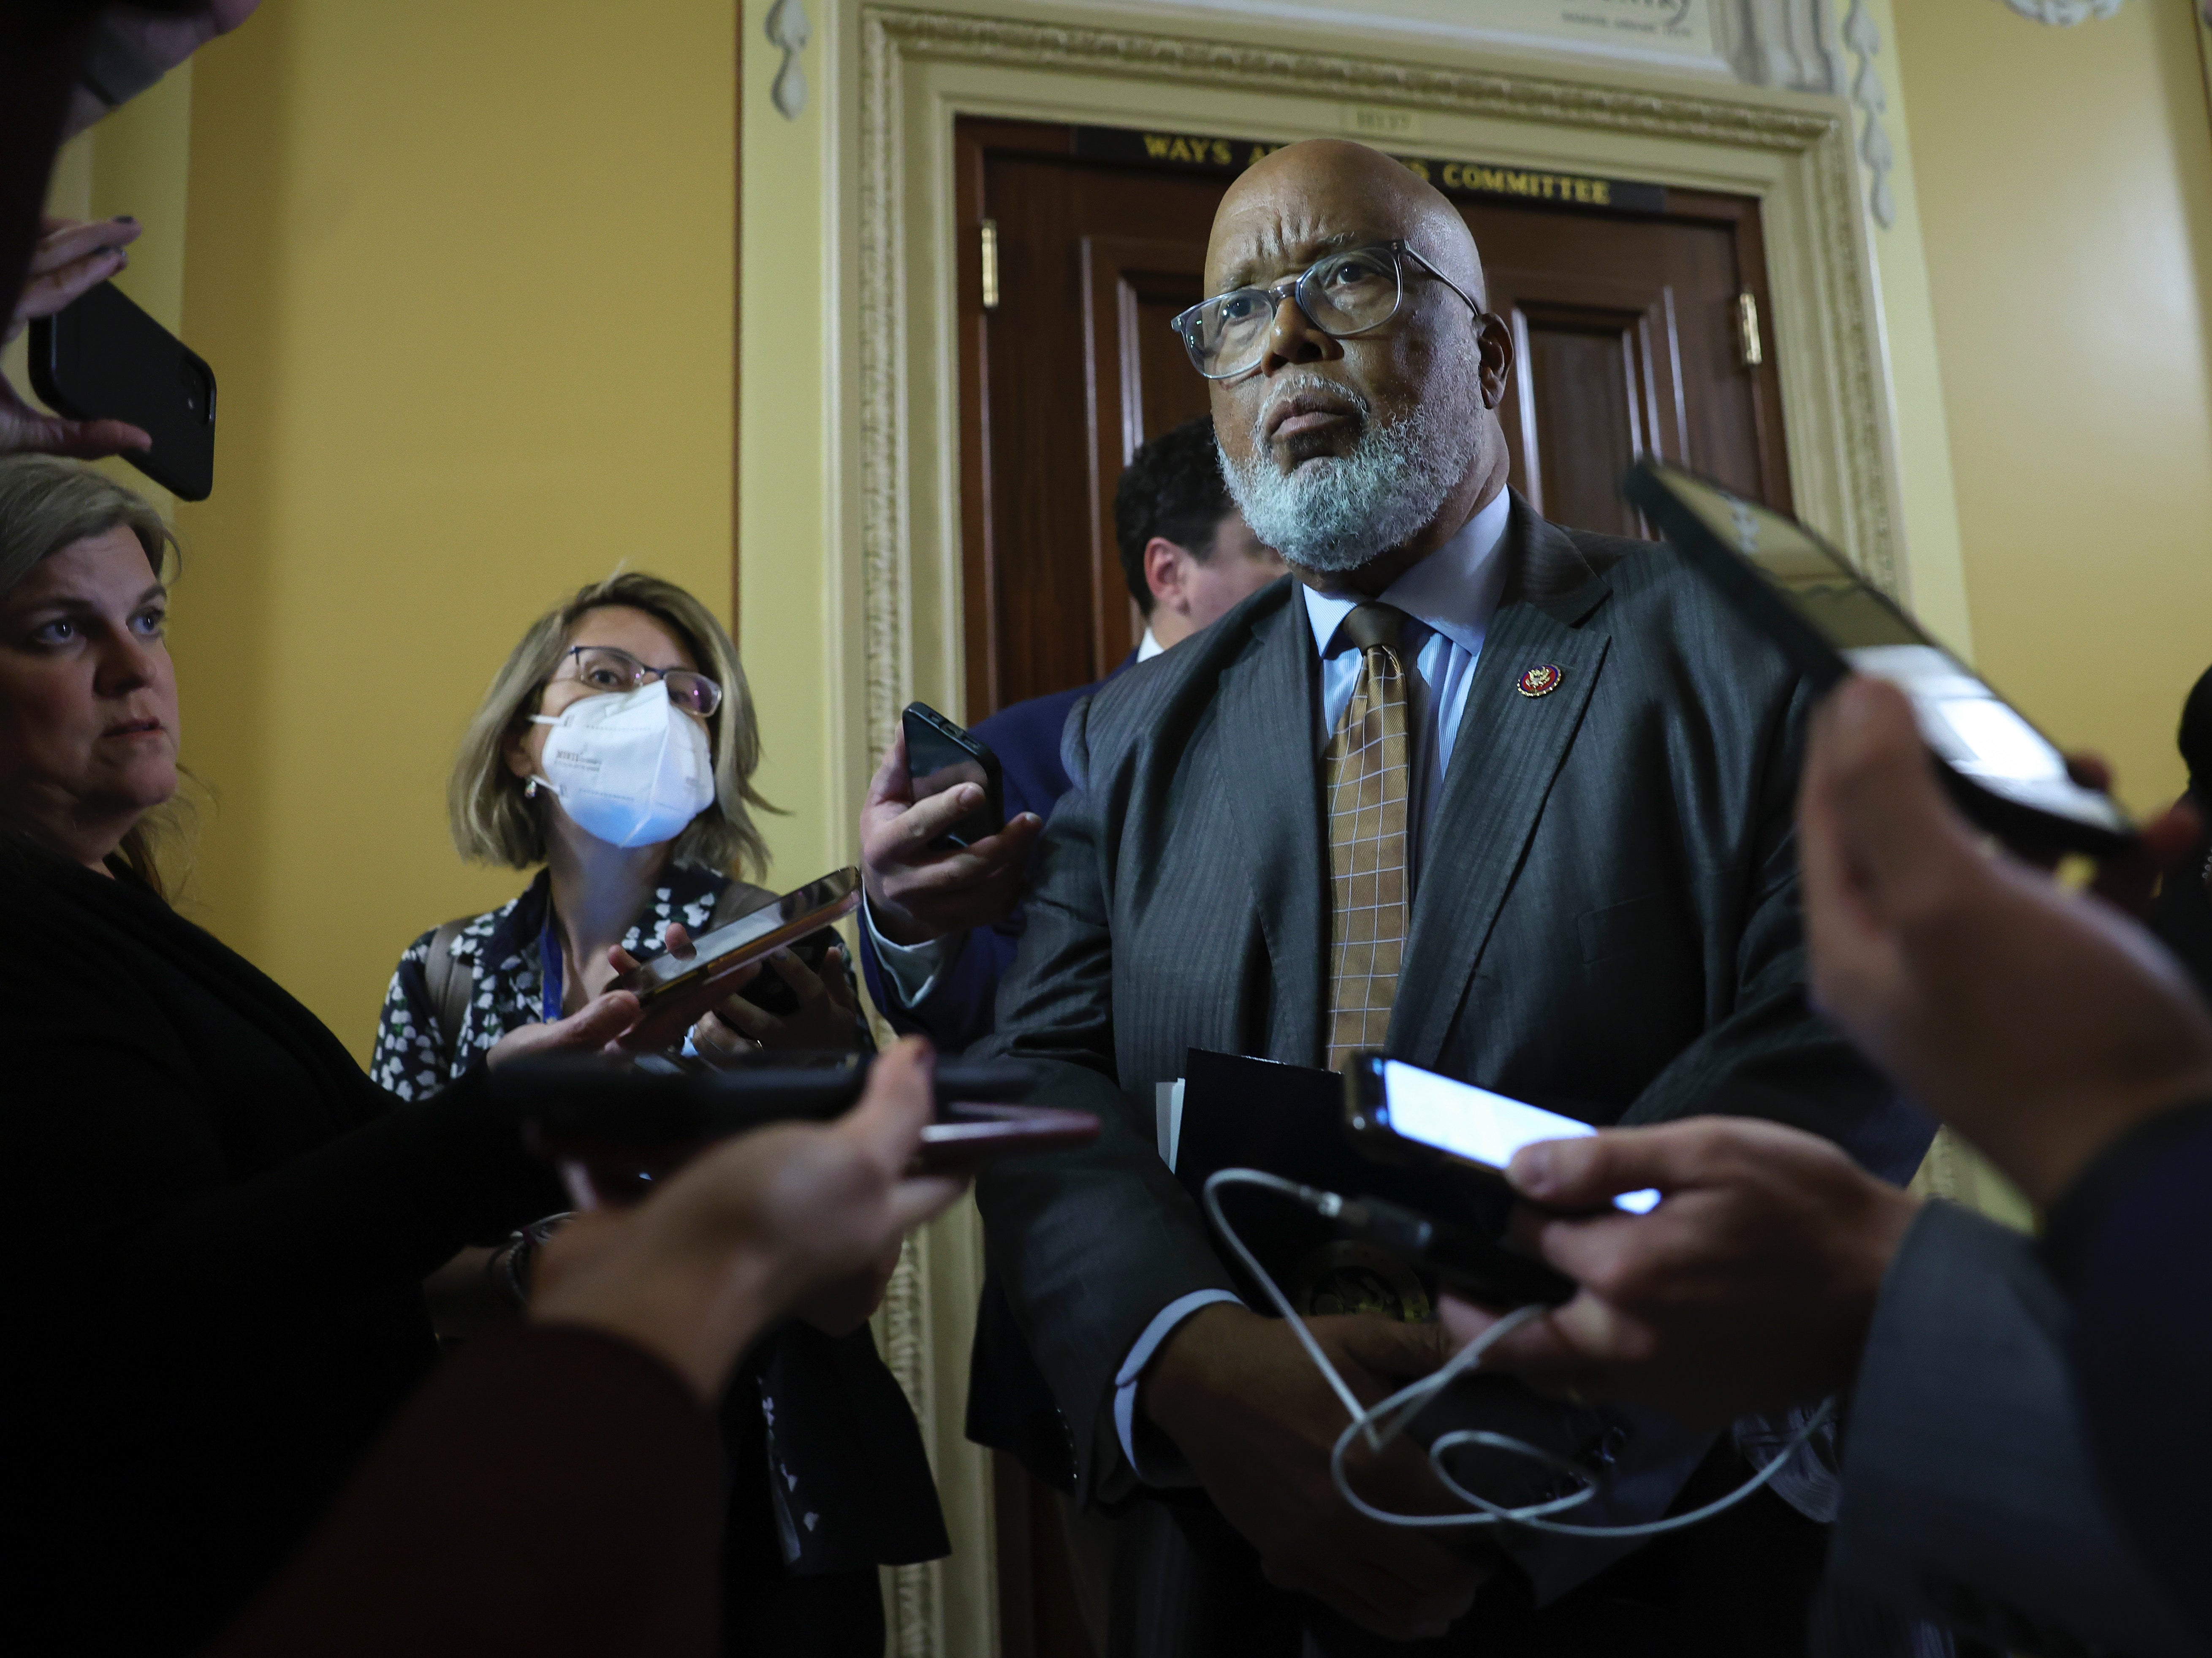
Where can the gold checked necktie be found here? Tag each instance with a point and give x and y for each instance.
(1370, 781)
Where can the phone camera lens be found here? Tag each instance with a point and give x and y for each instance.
(199, 390)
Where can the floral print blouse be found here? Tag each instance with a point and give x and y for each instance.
(416, 1057)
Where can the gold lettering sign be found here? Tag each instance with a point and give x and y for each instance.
(1213, 154)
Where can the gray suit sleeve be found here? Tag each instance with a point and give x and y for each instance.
(1091, 1244)
(1967, 1493)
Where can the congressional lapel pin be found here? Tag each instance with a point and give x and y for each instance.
(1540, 681)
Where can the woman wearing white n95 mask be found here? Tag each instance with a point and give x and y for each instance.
(617, 748)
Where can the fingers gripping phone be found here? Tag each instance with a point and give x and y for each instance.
(1397, 1109)
(101, 358)
(940, 755)
(2005, 775)
(673, 991)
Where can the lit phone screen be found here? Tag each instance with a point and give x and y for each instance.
(1475, 1124)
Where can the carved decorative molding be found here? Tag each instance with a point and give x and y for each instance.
(787, 32)
(917, 1623)
(2064, 14)
(1779, 43)
(1837, 328)
(1347, 80)
(1871, 99)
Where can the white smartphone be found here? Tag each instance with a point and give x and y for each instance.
(1422, 1111)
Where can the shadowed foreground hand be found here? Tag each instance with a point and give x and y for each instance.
(751, 1229)
(2038, 1023)
(1749, 1288)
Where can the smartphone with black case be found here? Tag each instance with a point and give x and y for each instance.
(2005, 775)
(939, 756)
(101, 358)
(1482, 1270)
(1393, 1108)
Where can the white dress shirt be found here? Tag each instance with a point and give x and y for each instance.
(1449, 599)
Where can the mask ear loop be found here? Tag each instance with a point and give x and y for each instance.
(539, 779)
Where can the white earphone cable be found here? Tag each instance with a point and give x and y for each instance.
(1383, 1423)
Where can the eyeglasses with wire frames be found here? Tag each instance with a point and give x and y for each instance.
(1341, 293)
(602, 668)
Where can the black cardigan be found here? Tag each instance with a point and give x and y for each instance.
(217, 1229)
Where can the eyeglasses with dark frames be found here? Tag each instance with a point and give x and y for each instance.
(603, 668)
(1341, 293)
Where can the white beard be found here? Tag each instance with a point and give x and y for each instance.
(1339, 513)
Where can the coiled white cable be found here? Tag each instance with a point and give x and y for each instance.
(1382, 1424)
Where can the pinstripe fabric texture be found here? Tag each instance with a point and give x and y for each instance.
(1370, 771)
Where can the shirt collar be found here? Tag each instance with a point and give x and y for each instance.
(1454, 590)
(1148, 647)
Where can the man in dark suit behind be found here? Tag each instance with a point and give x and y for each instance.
(941, 925)
(1509, 800)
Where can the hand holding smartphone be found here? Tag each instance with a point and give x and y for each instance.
(102, 358)
(673, 991)
(941, 756)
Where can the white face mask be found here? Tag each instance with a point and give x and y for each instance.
(630, 768)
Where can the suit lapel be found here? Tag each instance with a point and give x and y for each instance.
(1266, 776)
(1508, 749)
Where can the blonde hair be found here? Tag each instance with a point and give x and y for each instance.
(47, 505)
(494, 822)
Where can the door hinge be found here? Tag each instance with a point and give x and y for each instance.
(989, 241)
(1748, 347)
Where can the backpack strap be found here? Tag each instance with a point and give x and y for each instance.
(451, 987)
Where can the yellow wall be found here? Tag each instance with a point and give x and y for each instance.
(1934, 573)
(2065, 204)
(466, 273)
(784, 490)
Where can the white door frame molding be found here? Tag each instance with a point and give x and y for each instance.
(896, 423)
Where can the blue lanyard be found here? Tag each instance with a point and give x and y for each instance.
(549, 969)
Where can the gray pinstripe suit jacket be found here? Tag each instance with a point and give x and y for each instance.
(1606, 917)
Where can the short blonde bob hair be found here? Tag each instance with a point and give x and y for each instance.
(494, 822)
(47, 505)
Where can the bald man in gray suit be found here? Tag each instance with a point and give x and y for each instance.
(1509, 800)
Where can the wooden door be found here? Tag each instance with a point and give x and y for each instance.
(1628, 339)
(1626, 334)
(1060, 381)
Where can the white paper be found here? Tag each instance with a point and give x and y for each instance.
(1167, 1119)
